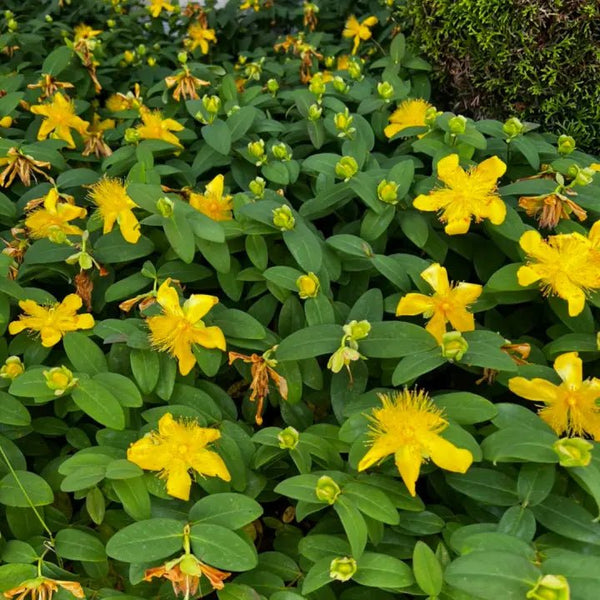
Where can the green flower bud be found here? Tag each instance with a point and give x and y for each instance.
(550, 587)
(566, 144)
(257, 187)
(212, 104)
(12, 25)
(573, 452)
(431, 114)
(454, 346)
(141, 50)
(385, 90)
(56, 235)
(60, 380)
(342, 569)
(513, 127)
(343, 123)
(346, 167)
(314, 112)
(357, 330)
(9, 14)
(342, 357)
(457, 125)
(273, 86)
(85, 261)
(132, 136)
(288, 438)
(129, 56)
(111, 23)
(235, 108)
(257, 150)
(584, 177)
(283, 218)
(151, 61)
(355, 70)
(281, 152)
(327, 489)
(165, 207)
(387, 191)
(308, 286)
(339, 85)
(12, 368)
(317, 86)
(182, 57)
(190, 566)
(48, 19)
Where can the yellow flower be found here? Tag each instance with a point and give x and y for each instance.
(408, 425)
(54, 218)
(411, 113)
(110, 196)
(174, 449)
(156, 128)
(43, 588)
(200, 36)
(60, 118)
(308, 286)
(85, 32)
(447, 303)
(53, 321)
(570, 406)
(117, 102)
(566, 265)
(468, 194)
(213, 203)
(156, 7)
(179, 328)
(358, 31)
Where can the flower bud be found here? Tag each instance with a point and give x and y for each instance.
(573, 452)
(132, 135)
(165, 207)
(182, 57)
(339, 85)
(288, 438)
(457, 125)
(327, 489)
(48, 19)
(60, 380)
(283, 218)
(257, 150)
(212, 104)
(85, 261)
(387, 191)
(257, 187)
(346, 167)
(329, 61)
(513, 127)
(317, 86)
(151, 61)
(431, 114)
(584, 177)
(129, 56)
(566, 144)
(342, 569)
(308, 286)
(12, 368)
(281, 152)
(550, 587)
(357, 330)
(235, 108)
(314, 112)
(273, 86)
(111, 23)
(6, 122)
(343, 123)
(141, 50)
(355, 70)
(453, 345)
(190, 566)
(342, 357)
(385, 90)
(12, 25)
(9, 14)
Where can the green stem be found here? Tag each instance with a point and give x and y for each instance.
(26, 495)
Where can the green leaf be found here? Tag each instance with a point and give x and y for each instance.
(372, 502)
(534, 483)
(382, 571)
(84, 354)
(74, 544)
(57, 61)
(24, 489)
(310, 342)
(466, 408)
(100, 404)
(517, 444)
(146, 541)
(146, 369)
(112, 248)
(317, 576)
(485, 485)
(427, 569)
(13, 412)
(180, 234)
(31, 384)
(240, 122)
(485, 351)
(394, 339)
(304, 247)
(233, 511)
(412, 366)
(300, 487)
(13, 575)
(122, 388)
(353, 523)
(133, 495)
(222, 548)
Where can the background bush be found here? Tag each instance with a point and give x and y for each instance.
(538, 59)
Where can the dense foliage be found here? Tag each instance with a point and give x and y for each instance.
(233, 355)
(538, 59)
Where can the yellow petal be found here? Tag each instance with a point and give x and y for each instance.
(570, 369)
(84, 321)
(437, 277)
(432, 201)
(215, 187)
(408, 462)
(207, 462)
(377, 452)
(33, 308)
(446, 455)
(370, 21)
(50, 336)
(186, 359)
(413, 304)
(467, 293)
(71, 304)
(16, 327)
(437, 326)
(179, 481)
(594, 235)
(210, 337)
(532, 243)
(458, 226)
(489, 171)
(197, 306)
(51, 200)
(129, 226)
(461, 319)
(169, 427)
(527, 275)
(148, 455)
(448, 169)
(496, 211)
(168, 298)
(534, 389)
(556, 417)
(392, 129)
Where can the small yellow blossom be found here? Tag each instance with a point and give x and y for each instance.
(85, 32)
(53, 219)
(200, 36)
(60, 118)
(110, 196)
(566, 265)
(570, 406)
(447, 304)
(213, 203)
(157, 6)
(155, 127)
(408, 425)
(358, 31)
(118, 102)
(179, 328)
(6, 122)
(12, 368)
(174, 449)
(53, 321)
(43, 588)
(468, 195)
(411, 113)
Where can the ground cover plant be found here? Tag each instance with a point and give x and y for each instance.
(274, 326)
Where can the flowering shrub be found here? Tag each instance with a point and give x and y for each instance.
(275, 326)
